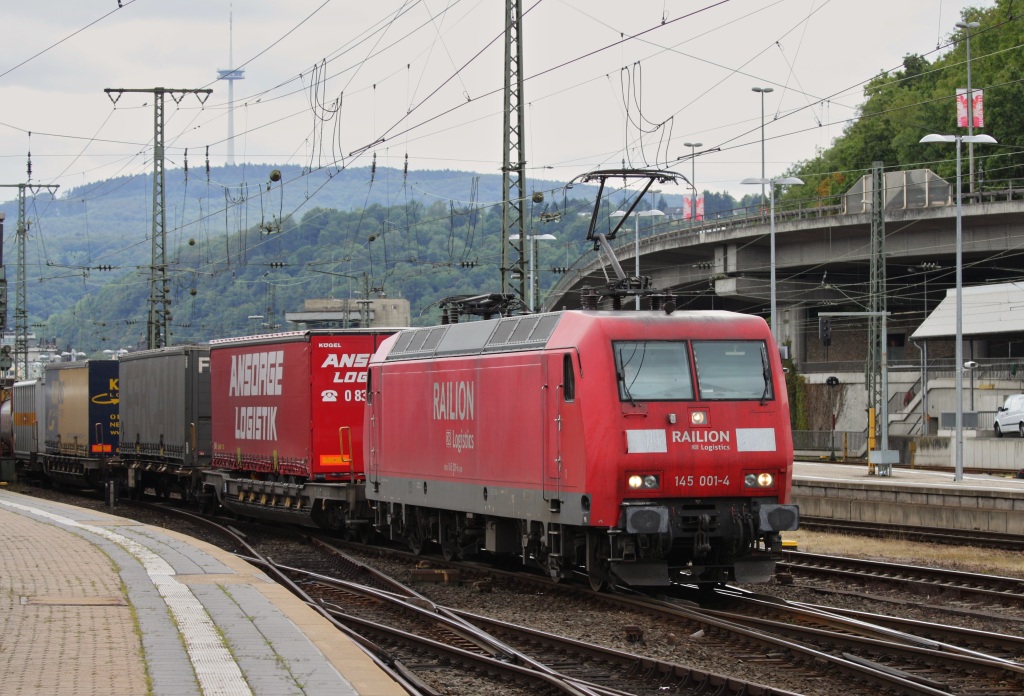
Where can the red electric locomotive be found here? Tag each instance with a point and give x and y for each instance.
(640, 447)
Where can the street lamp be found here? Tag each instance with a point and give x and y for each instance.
(958, 473)
(255, 318)
(693, 178)
(636, 241)
(970, 103)
(762, 91)
(784, 181)
(532, 239)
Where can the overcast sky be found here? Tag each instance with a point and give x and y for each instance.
(335, 81)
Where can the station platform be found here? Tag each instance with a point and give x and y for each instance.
(96, 604)
(909, 497)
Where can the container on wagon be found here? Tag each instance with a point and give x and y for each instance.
(28, 422)
(165, 414)
(82, 432)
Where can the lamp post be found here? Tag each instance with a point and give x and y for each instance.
(784, 181)
(636, 241)
(255, 318)
(532, 239)
(967, 26)
(762, 91)
(693, 178)
(958, 471)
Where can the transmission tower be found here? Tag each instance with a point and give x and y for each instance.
(231, 74)
(157, 335)
(21, 294)
(513, 174)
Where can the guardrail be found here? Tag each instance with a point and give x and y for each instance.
(798, 209)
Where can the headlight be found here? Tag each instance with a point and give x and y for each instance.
(762, 480)
(643, 482)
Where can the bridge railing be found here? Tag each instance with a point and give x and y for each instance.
(785, 210)
(737, 218)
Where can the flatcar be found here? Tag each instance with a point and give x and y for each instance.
(643, 448)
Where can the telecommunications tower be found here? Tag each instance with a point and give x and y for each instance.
(231, 74)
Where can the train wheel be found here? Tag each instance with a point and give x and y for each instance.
(448, 536)
(598, 565)
(416, 543)
(555, 570)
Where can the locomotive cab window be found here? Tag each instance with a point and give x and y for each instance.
(733, 370)
(568, 379)
(652, 370)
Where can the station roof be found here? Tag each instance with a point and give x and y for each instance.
(987, 309)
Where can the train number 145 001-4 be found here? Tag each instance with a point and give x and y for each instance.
(702, 481)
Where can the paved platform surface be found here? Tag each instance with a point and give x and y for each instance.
(834, 471)
(910, 497)
(93, 604)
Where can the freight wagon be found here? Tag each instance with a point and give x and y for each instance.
(287, 426)
(165, 419)
(82, 428)
(28, 423)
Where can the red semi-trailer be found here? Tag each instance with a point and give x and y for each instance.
(640, 447)
(287, 424)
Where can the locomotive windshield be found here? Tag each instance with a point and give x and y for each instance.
(653, 370)
(733, 370)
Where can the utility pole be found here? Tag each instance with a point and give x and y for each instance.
(513, 174)
(21, 294)
(157, 335)
(878, 398)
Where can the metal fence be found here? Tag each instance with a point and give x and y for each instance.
(852, 442)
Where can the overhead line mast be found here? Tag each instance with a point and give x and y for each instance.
(157, 335)
(513, 175)
(21, 294)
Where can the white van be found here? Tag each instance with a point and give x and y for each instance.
(1010, 416)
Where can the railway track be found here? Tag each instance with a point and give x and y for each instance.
(994, 540)
(811, 651)
(871, 654)
(420, 639)
(948, 658)
(973, 589)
